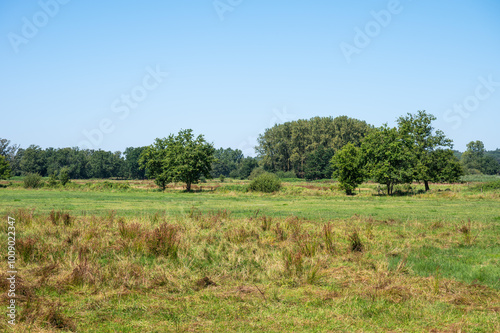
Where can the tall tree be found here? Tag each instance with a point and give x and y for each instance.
(419, 135)
(178, 158)
(4, 168)
(318, 164)
(490, 165)
(472, 158)
(132, 167)
(387, 158)
(33, 160)
(287, 147)
(245, 168)
(476, 160)
(227, 160)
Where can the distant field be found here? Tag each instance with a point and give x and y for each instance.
(94, 258)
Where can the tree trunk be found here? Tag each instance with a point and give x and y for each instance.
(188, 187)
(388, 188)
(426, 185)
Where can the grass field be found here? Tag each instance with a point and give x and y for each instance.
(92, 258)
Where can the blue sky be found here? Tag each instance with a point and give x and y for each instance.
(120, 73)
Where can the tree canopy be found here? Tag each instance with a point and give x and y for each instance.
(180, 158)
(387, 158)
(432, 159)
(288, 146)
(4, 168)
(476, 160)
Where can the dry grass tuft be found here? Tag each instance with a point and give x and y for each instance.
(26, 248)
(356, 245)
(164, 240)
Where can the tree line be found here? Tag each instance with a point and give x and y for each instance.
(86, 164)
(312, 149)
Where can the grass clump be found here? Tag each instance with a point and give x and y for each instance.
(164, 240)
(355, 242)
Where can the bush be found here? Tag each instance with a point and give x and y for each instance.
(266, 183)
(32, 180)
(52, 180)
(256, 173)
(64, 176)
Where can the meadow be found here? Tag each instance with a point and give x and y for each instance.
(115, 256)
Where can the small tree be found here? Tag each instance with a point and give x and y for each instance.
(4, 168)
(52, 179)
(64, 176)
(348, 168)
(178, 158)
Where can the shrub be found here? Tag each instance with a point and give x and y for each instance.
(266, 183)
(52, 180)
(222, 178)
(256, 173)
(32, 180)
(64, 176)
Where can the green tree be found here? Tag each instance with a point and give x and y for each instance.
(8, 150)
(64, 176)
(291, 146)
(132, 169)
(472, 158)
(178, 158)
(347, 166)
(422, 141)
(105, 164)
(387, 158)
(490, 165)
(245, 168)
(33, 160)
(445, 168)
(226, 161)
(318, 164)
(4, 168)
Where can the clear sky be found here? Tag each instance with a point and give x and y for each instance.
(114, 74)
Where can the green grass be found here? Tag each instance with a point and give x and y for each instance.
(480, 178)
(226, 260)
